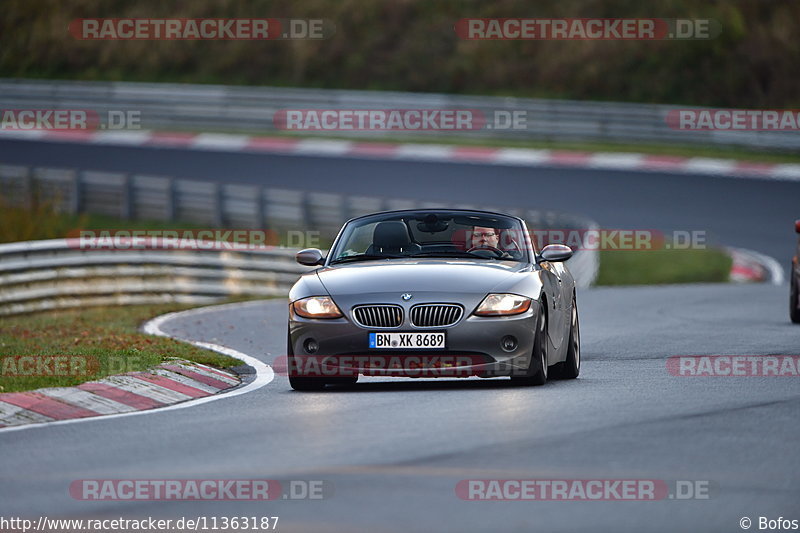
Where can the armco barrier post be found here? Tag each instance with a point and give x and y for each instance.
(76, 190)
(126, 202)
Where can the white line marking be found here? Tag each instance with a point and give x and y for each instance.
(264, 373)
(786, 171)
(424, 151)
(614, 160)
(707, 165)
(322, 147)
(214, 141)
(521, 156)
(23, 134)
(130, 138)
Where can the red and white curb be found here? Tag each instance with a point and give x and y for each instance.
(423, 152)
(175, 384)
(749, 266)
(167, 384)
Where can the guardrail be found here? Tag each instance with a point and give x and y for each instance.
(50, 274)
(251, 109)
(57, 273)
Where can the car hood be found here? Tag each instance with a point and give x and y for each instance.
(418, 276)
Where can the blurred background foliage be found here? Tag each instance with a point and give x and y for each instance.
(410, 45)
(40, 219)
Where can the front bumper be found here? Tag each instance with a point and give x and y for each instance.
(474, 347)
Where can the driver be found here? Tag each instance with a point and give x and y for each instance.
(487, 238)
(483, 237)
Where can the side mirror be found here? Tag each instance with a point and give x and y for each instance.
(555, 253)
(797, 226)
(309, 257)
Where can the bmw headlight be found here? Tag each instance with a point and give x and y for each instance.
(316, 307)
(503, 305)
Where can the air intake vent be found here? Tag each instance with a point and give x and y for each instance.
(379, 316)
(435, 315)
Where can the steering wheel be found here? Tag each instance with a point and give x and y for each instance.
(496, 251)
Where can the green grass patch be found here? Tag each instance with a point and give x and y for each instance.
(45, 222)
(656, 267)
(106, 341)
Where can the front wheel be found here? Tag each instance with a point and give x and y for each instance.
(312, 384)
(306, 384)
(536, 373)
(571, 367)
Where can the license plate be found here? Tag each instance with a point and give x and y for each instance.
(411, 341)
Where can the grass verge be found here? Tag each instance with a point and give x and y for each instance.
(44, 221)
(105, 341)
(21, 224)
(656, 267)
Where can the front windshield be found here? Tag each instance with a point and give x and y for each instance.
(449, 234)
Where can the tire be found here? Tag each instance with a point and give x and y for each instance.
(306, 384)
(571, 367)
(536, 373)
(343, 381)
(298, 383)
(794, 307)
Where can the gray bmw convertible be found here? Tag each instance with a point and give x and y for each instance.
(433, 293)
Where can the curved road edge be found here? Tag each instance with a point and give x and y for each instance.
(263, 372)
(749, 265)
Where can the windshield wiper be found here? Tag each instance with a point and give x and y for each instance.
(364, 257)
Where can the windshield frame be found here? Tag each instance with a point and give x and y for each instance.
(526, 245)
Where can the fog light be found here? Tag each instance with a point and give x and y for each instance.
(509, 343)
(311, 346)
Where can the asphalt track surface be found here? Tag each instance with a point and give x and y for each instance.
(393, 451)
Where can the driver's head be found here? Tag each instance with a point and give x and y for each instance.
(482, 237)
